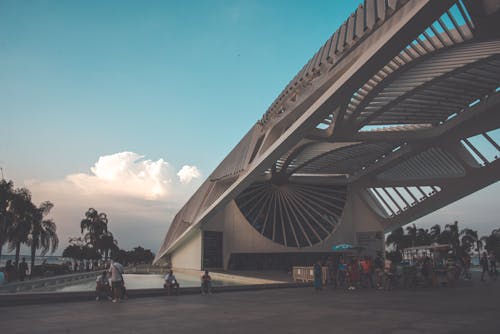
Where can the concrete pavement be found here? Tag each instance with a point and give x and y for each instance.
(474, 308)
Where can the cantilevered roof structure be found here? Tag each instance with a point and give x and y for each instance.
(395, 116)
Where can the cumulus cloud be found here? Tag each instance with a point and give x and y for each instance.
(140, 196)
(188, 173)
(126, 174)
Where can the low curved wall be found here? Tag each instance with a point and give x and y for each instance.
(29, 285)
(81, 296)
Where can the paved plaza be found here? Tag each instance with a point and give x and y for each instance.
(469, 308)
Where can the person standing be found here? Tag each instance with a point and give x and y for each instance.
(484, 265)
(116, 271)
(23, 268)
(318, 273)
(353, 274)
(206, 283)
(9, 271)
(493, 264)
(367, 268)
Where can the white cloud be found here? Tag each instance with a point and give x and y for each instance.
(140, 196)
(188, 173)
(125, 174)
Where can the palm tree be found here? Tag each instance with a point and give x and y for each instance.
(96, 225)
(43, 232)
(492, 242)
(22, 214)
(453, 235)
(412, 235)
(6, 195)
(435, 231)
(423, 237)
(396, 238)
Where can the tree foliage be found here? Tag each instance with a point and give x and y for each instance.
(22, 222)
(138, 255)
(461, 242)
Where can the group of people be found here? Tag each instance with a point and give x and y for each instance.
(111, 287)
(356, 272)
(172, 285)
(87, 265)
(351, 273)
(11, 272)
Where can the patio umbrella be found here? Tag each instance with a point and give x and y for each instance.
(342, 247)
(347, 247)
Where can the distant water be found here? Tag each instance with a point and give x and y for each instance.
(38, 259)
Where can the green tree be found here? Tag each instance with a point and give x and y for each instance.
(6, 219)
(107, 243)
(140, 255)
(22, 214)
(449, 236)
(492, 243)
(43, 232)
(121, 256)
(75, 249)
(435, 232)
(95, 226)
(454, 236)
(423, 237)
(411, 236)
(396, 239)
(90, 253)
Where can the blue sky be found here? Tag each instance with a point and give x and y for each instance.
(176, 82)
(88, 78)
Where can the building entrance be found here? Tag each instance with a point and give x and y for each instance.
(212, 249)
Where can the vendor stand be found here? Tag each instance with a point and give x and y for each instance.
(442, 266)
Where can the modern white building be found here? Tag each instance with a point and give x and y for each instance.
(395, 116)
